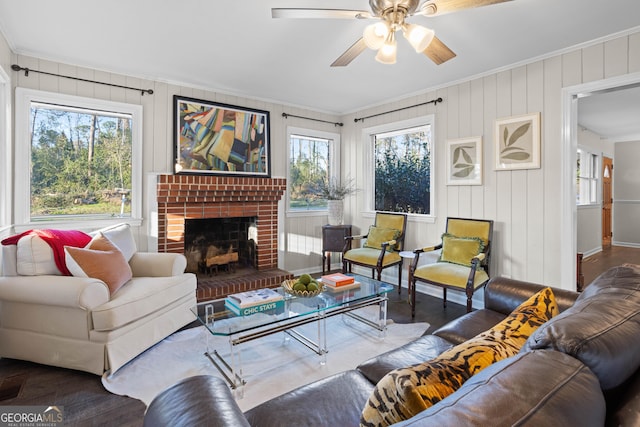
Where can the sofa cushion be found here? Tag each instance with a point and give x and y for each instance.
(141, 297)
(468, 326)
(121, 236)
(417, 351)
(102, 260)
(403, 393)
(41, 249)
(460, 250)
(538, 388)
(34, 257)
(599, 330)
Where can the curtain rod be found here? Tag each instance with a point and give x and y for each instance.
(433, 101)
(16, 67)
(287, 115)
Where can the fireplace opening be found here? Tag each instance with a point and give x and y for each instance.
(215, 246)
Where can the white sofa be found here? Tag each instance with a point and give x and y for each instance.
(74, 322)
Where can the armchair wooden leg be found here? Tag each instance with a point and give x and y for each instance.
(399, 279)
(412, 298)
(444, 297)
(469, 300)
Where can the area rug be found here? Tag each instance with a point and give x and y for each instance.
(271, 365)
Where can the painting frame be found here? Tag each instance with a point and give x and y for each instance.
(464, 161)
(213, 138)
(517, 142)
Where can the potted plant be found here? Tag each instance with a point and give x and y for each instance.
(334, 192)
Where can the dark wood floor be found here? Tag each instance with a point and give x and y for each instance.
(597, 263)
(87, 403)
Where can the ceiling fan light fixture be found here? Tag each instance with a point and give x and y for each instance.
(374, 35)
(387, 53)
(418, 36)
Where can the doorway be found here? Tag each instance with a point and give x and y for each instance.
(570, 98)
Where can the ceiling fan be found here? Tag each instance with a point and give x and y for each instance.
(391, 15)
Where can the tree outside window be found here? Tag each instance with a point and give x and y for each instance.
(76, 158)
(403, 171)
(81, 162)
(311, 162)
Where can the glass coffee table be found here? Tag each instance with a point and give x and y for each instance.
(297, 311)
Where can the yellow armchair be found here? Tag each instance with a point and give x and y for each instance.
(379, 248)
(463, 264)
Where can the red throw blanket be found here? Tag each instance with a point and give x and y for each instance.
(57, 239)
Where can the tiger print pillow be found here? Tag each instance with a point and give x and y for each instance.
(405, 392)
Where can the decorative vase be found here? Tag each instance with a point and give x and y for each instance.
(335, 211)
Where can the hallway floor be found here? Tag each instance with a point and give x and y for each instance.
(612, 256)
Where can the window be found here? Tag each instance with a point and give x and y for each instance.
(79, 157)
(401, 154)
(313, 159)
(5, 151)
(587, 178)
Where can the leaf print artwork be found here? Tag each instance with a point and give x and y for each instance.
(464, 161)
(511, 151)
(465, 166)
(517, 143)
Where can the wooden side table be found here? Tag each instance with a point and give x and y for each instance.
(333, 241)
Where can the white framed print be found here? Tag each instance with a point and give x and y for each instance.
(464, 161)
(517, 142)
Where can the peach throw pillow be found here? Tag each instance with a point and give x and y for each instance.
(100, 259)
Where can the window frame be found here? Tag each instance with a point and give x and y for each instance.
(334, 164)
(5, 151)
(368, 163)
(22, 204)
(594, 178)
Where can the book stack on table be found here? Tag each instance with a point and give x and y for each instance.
(255, 301)
(339, 282)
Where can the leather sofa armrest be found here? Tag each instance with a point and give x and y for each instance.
(505, 295)
(201, 400)
(153, 264)
(64, 291)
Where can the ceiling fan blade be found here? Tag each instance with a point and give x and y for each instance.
(320, 13)
(438, 52)
(350, 54)
(440, 7)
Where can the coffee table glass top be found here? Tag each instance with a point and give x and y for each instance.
(221, 321)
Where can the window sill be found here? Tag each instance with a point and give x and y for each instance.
(84, 224)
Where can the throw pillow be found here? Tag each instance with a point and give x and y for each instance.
(460, 250)
(121, 236)
(100, 259)
(377, 236)
(35, 257)
(405, 392)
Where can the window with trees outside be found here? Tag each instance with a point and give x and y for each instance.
(82, 154)
(402, 168)
(313, 160)
(587, 177)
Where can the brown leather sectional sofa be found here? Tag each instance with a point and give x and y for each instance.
(580, 368)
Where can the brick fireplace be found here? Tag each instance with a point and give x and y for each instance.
(182, 197)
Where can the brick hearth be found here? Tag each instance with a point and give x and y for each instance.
(183, 197)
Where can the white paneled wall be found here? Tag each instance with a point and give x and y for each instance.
(525, 204)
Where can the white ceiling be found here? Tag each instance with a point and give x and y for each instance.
(235, 47)
(614, 115)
